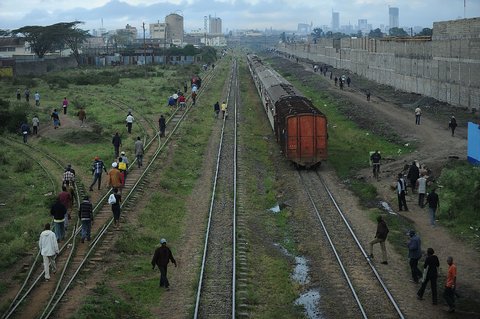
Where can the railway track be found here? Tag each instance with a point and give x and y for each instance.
(370, 293)
(216, 296)
(44, 299)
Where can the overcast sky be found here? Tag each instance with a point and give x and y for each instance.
(235, 14)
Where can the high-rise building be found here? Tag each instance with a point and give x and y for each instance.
(362, 24)
(335, 21)
(174, 24)
(215, 25)
(393, 15)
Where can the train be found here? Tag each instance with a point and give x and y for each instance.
(299, 127)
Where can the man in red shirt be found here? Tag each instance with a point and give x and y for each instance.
(449, 293)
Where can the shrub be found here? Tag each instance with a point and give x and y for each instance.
(12, 117)
(23, 165)
(24, 81)
(58, 81)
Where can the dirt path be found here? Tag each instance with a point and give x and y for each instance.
(434, 145)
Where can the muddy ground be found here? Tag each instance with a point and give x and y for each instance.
(390, 113)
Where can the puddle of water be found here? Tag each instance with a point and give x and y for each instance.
(300, 272)
(310, 300)
(387, 208)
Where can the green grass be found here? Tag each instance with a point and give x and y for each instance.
(23, 189)
(164, 214)
(269, 269)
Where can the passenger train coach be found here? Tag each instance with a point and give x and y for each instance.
(300, 128)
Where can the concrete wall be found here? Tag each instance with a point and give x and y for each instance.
(36, 68)
(446, 68)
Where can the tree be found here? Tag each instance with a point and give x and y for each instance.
(46, 39)
(377, 33)
(4, 33)
(38, 37)
(397, 32)
(317, 33)
(359, 34)
(74, 37)
(426, 32)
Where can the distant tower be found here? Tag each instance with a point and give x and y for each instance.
(335, 21)
(215, 25)
(393, 15)
(174, 28)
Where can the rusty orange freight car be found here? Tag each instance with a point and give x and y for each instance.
(300, 128)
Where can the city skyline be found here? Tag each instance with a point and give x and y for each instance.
(244, 14)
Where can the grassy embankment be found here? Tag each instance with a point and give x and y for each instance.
(133, 284)
(26, 208)
(269, 269)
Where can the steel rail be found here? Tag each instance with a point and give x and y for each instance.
(16, 301)
(103, 231)
(210, 212)
(365, 255)
(234, 217)
(332, 245)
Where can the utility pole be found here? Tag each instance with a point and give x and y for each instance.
(144, 50)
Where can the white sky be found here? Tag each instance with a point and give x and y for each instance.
(243, 14)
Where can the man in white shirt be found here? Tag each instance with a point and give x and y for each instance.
(129, 121)
(37, 98)
(48, 249)
(418, 114)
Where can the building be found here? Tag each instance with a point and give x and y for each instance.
(13, 46)
(214, 25)
(393, 15)
(363, 25)
(304, 28)
(174, 27)
(157, 30)
(335, 21)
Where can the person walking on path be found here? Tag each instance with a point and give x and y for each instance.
(413, 175)
(224, 109)
(453, 124)
(58, 211)
(449, 292)
(431, 267)
(336, 81)
(35, 124)
(69, 175)
(139, 151)
(37, 98)
(414, 254)
(25, 129)
(129, 121)
(65, 105)
(375, 158)
(65, 198)
(380, 237)
(123, 165)
(216, 109)
(194, 97)
(115, 177)
(48, 249)
(117, 143)
(162, 125)
(401, 190)
(181, 101)
(161, 258)
(19, 96)
(418, 114)
(433, 203)
(116, 207)
(97, 168)
(27, 95)
(85, 214)
(368, 95)
(349, 81)
(56, 119)
(82, 116)
(185, 86)
(422, 190)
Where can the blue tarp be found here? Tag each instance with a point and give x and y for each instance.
(473, 150)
